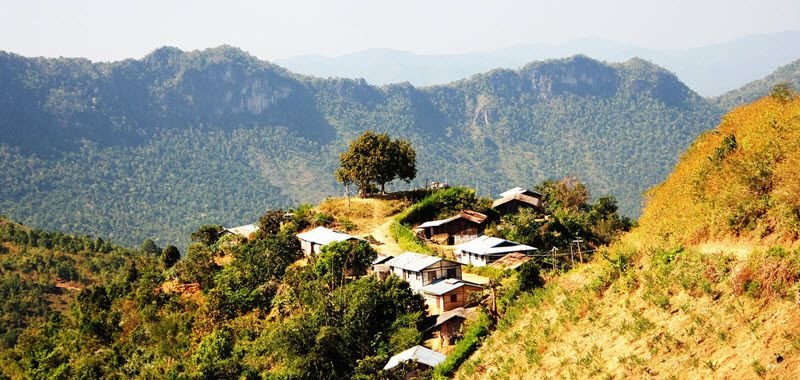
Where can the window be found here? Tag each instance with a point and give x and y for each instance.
(431, 276)
(451, 272)
(454, 298)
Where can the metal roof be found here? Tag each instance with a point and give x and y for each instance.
(511, 261)
(519, 197)
(472, 216)
(420, 354)
(518, 190)
(492, 246)
(459, 312)
(413, 261)
(324, 236)
(381, 258)
(244, 231)
(444, 286)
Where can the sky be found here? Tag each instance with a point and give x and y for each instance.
(106, 30)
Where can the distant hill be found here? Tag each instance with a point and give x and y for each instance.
(710, 70)
(153, 148)
(785, 74)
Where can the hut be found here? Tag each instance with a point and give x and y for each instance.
(486, 250)
(312, 241)
(420, 270)
(450, 322)
(447, 294)
(513, 200)
(465, 226)
(421, 356)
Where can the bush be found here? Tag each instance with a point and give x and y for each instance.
(406, 239)
(529, 276)
(443, 203)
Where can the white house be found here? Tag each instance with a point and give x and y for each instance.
(312, 241)
(420, 270)
(486, 250)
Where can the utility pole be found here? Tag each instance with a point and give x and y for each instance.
(553, 258)
(578, 241)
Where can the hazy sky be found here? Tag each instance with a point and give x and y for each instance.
(112, 30)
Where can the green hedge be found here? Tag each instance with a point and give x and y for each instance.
(442, 203)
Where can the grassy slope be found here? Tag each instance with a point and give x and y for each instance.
(722, 307)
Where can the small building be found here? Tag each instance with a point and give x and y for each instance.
(420, 270)
(465, 226)
(247, 231)
(486, 250)
(450, 322)
(379, 268)
(518, 198)
(312, 241)
(417, 354)
(512, 260)
(447, 294)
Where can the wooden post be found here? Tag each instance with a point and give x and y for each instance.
(553, 258)
(571, 256)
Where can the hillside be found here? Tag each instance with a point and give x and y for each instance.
(153, 148)
(789, 73)
(704, 287)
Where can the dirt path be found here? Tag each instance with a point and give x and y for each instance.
(383, 234)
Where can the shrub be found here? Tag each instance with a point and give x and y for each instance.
(529, 276)
(442, 203)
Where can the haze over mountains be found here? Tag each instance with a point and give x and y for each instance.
(709, 70)
(153, 148)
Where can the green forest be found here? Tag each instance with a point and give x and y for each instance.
(154, 148)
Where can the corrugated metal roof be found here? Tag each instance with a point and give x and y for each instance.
(413, 261)
(421, 354)
(381, 258)
(472, 216)
(244, 231)
(520, 197)
(488, 245)
(444, 286)
(511, 261)
(458, 312)
(324, 236)
(518, 190)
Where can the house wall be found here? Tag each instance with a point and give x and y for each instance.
(309, 248)
(416, 280)
(469, 258)
(513, 206)
(461, 230)
(438, 304)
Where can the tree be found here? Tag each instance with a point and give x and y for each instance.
(529, 276)
(170, 256)
(150, 247)
(198, 266)
(207, 234)
(270, 222)
(783, 92)
(340, 259)
(376, 159)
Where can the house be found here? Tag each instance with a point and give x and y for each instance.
(420, 270)
(447, 294)
(512, 260)
(465, 226)
(517, 198)
(312, 241)
(245, 231)
(450, 322)
(486, 250)
(379, 268)
(417, 354)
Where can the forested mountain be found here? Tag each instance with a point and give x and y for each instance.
(789, 74)
(158, 146)
(710, 70)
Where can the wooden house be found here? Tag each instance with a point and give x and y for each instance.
(518, 198)
(486, 250)
(465, 226)
(447, 294)
(450, 322)
(420, 270)
(312, 241)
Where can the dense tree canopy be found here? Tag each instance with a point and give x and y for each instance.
(376, 159)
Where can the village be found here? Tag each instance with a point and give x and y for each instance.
(451, 295)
